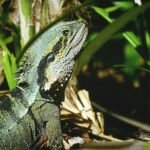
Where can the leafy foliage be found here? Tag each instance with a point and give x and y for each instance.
(134, 48)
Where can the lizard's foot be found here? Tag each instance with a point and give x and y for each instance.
(40, 143)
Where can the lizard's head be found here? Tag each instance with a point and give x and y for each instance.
(56, 65)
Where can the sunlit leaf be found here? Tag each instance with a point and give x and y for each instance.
(132, 38)
(9, 65)
(8, 69)
(125, 5)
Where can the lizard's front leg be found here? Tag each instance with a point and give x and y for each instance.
(47, 126)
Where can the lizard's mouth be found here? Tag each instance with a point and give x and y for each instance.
(78, 40)
(80, 36)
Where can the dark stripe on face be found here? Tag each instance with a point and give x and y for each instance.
(41, 72)
(61, 44)
(42, 66)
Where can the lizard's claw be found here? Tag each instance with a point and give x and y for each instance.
(40, 143)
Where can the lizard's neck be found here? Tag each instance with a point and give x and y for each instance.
(18, 103)
(27, 88)
(28, 77)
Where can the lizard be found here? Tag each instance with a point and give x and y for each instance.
(29, 114)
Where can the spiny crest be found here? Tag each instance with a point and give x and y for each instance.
(24, 65)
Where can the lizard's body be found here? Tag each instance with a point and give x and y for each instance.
(29, 115)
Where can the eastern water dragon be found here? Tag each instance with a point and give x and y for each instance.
(29, 115)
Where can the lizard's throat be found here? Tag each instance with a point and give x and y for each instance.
(52, 79)
(54, 91)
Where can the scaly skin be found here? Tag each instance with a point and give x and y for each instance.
(29, 115)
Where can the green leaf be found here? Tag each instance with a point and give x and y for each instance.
(125, 5)
(107, 33)
(8, 40)
(9, 65)
(102, 12)
(132, 39)
(112, 9)
(9, 69)
(91, 37)
(131, 58)
(130, 36)
(147, 39)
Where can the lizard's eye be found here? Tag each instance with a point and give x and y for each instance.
(65, 32)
